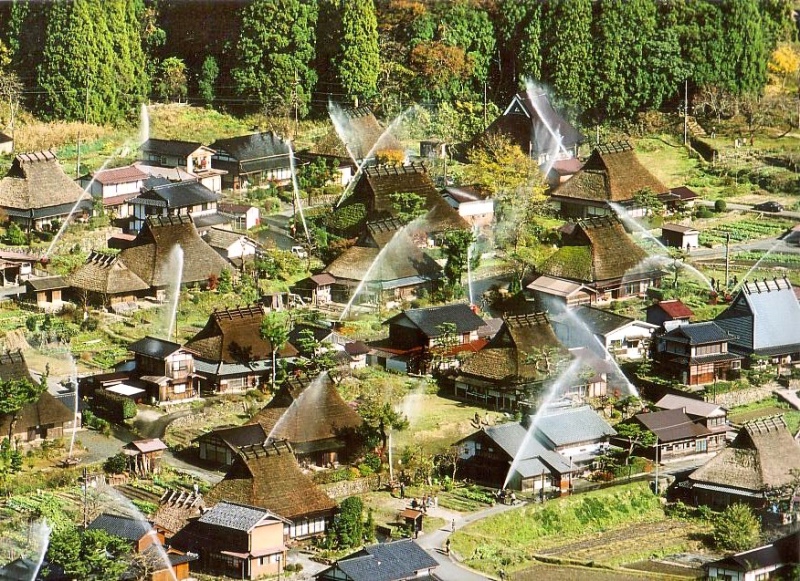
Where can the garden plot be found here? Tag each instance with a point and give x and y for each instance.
(743, 229)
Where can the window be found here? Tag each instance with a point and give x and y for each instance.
(702, 446)
(180, 365)
(179, 388)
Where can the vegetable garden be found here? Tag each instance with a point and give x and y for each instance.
(742, 230)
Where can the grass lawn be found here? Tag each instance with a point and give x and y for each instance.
(609, 527)
(766, 407)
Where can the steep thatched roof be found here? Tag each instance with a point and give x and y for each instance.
(149, 256)
(105, 274)
(47, 410)
(304, 413)
(13, 366)
(364, 132)
(613, 174)
(400, 259)
(595, 249)
(36, 180)
(379, 183)
(233, 336)
(762, 457)
(511, 355)
(268, 476)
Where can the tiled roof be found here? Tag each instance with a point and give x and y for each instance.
(392, 561)
(120, 175)
(146, 446)
(672, 425)
(601, 322)
(429, 320)
(573, 426)
(694, 407)
(256, 152)
(680, 229)
(674, 308)
(612, 173)
(154, 347)
(170, 147)
(167, 194)
(238, 517)
(700, 333)
(121, 526)
(47, 283)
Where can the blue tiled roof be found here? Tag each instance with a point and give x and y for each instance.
(121, 526)
(391, 561)
(573, 426)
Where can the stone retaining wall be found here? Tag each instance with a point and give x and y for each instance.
(347, 488)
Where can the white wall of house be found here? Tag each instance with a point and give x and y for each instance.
(304, 527)
(241, 248)
(630, 341)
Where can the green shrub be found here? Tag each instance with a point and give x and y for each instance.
(373, 461)
(365, 469)
(704, 212)
(720, 206)
(113, 407)
(116, 464)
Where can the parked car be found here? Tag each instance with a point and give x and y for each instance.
(299, 252)
(770, 206)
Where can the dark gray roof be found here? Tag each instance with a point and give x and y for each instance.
(700, 333)
(170, 147)
(256, 152)
(428, 320)
(121, 526)
(47, 283)
(153, 347)
(764, 317)
(238, 436)
(672, 425)
(392, 561)
(164, 193)
(573, 426)
(782, 552)
(601, 322)
(239, 517)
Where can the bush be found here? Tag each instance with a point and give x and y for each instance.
(113, 407)
(704, 213)
(116, 464)
(90, 324)
(736, 528)
(373, 461)
(720, 206)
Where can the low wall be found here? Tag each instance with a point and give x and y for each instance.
(347, 488)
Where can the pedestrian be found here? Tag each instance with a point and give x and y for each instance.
(435, 501)
(402, 490)
(454, 525)
(447, 547)
(414, 503)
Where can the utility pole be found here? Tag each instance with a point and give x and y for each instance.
(485, 125)
(295, 101)
(727, 259)
(78, 161)
(85, 499)
(656, 486)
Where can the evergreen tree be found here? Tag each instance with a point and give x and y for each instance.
(276, 43)
(357, 63)
(746, 60)
(208, 79)
(777, 22)
(567, 60)
(519, 31)
(469, 28)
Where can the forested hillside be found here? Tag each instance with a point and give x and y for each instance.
(604, 60)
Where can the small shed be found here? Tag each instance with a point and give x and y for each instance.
(46, 291)
(679, 236)
(144, 456)
(316, 288)
(413, 518)
(6, 144)
(357, 354)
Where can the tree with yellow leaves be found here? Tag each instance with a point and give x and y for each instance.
(785, 61)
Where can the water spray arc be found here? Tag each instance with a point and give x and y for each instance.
(296, 191)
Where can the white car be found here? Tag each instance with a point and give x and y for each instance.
(299, 252)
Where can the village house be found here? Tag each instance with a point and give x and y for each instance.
(137, 532)
(555, 293)
(477, 210)
(162, 197)
(514, 365)
(678, 236)
(152, 256)
(46, 292)
(242, 216)
(188, 156)
(357, 354)
(755, 469)
(365, 137)
(397, 560)
(616, 335)
(236, 540)
(612, 174)
(564, 445)
(678, 199)
(114, 187)
(237, 249)
(531, 122)
(414, 334)
(668, 314)
(45, 419)
(15, 267)
(776, 560)
(697, 353)
(388, 266)
(221, 445)
(105, 281)
(37, 194)
(598, 253)
(229, 353)
(253, 160)
(165, 369)
(268, 476)
(315, 289)
(375, 198)
(175, 509)
(712, 416)
(311, 417)
(144, 456)
(764, 321)
(678, 435)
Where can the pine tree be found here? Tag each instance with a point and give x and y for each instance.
(567, 61)
(519, 31)
(276, 43)
(358, 60)
(207, 79)
(746, 61)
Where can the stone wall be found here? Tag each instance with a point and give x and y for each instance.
(347, 488)
(745, 396)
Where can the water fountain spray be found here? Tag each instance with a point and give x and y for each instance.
(173, 266)
(40, 531)
(312, 396)
(548, 395)
(144, 124)
(755, 266)
(532, 90)
(296, 190)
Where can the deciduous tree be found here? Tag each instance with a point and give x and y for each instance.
(736, 528)
(274, 329)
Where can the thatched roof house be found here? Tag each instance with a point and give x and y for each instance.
(105, 279)
(175, 508)
(230, 353)
(371, 199)
(363, 133)
(611, 174)
(268, 476)
(522, 355)
(312, 417)
(36, 191)
(757, 465)
(598, 253)
(150, 254)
